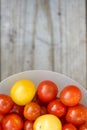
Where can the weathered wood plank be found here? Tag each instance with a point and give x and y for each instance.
(74, 44)
(44, 35)
(43, 42)
(65, 35)
(17, 36)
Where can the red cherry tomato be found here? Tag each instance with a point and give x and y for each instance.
(70, 95)
(17, 109)
(47, 91)
(56, 107)
(31, 111)
(77, 114)
(28, 125)
(12, 122)
(68, 126)
(83, 127)
(6, 103)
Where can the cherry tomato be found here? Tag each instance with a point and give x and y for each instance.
(12, 122)
(6, 103)
(28, 125)
(17, 109)
(47, 90)
(57, 108)
(69, 126)
(22, 92)
(47, 122)
(83, 127)
(70, 95)
(31, 111)
(77, 114)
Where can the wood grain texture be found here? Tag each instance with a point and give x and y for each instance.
(44, 34)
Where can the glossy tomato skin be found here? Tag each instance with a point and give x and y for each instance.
(47, 122)
(28, 125)
(70, 95)
(12, 122)
(77, 114)
(56, 107)
(6, 103)
(17, 109)
(31, 111)
(83, 127)
(22, 91)
(47, 90)
(69, 126)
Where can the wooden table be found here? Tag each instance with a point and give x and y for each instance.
(44, 34)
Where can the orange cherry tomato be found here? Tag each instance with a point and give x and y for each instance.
(31, 111)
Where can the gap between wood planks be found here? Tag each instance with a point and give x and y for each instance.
(86, 43)
(0, 40)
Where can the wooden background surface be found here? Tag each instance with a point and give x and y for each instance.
(44, 34)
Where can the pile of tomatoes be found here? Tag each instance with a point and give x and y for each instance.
(26, 102)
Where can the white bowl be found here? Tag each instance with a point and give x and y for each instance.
(38, 75)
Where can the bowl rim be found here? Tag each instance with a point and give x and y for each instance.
(40, 70)
(18, 76)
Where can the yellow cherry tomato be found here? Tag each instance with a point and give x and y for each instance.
(47, 122)
(22, 92)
